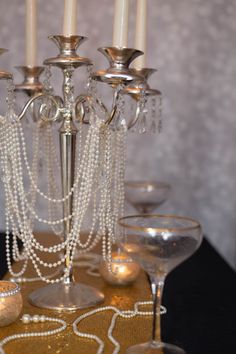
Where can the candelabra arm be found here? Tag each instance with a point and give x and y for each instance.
(135, 119)
(80, 111)
(56, 101)
(28, 104)
(114, 109)
(112, 115)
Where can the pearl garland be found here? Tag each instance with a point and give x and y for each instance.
(99, 177)
(10, 292)
(26, 319)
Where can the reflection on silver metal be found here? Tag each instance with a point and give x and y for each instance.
(119, 72)
(69, 297)
(67, 56)
(83, 99)
(141, 87)
(31, 83)
(4, 75)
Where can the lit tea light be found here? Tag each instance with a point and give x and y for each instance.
(10, 302)
(122, 271)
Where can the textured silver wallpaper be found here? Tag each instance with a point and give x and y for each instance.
(192, 43)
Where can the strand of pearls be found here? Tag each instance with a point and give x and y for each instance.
(98, 171)
(82, 195)
(119, 175)
(34, 279)
(90, 261)
(26, 319)
(32, 193)
(71, 242)
(31, 175)
(11, 199)
(16, 161)
(17, 255)
(33, 184)
(117, 313)
(128, 314)
(6, 136)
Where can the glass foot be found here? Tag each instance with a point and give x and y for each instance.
(154, 348)
(67, 297)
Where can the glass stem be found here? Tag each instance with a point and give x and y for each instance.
(157, 289)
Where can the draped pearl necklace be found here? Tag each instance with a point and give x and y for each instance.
(99, 181)
(128, 314)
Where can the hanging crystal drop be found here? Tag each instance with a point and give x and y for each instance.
(47, 80)
(91, 85)
(153, 125)
(119, 101)
(142, 126)
(92, 107)
(40, 161)
(10, 100)
(142, 119)
(160, 124)
(133, 112)
(92, 118)
(48, 90)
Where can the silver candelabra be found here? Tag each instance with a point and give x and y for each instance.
(64, 293)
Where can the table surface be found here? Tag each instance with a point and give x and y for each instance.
(199, 295)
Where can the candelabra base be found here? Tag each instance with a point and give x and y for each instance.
(66, 297)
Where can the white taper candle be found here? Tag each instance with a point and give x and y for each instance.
(141, 33)
(30, 33)
(70, 18)
(121, 21)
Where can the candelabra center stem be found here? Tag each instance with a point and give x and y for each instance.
(68, 88)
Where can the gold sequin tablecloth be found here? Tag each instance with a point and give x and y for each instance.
(127, 331)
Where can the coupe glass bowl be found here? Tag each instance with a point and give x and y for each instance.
(146, 196)
(159, 243)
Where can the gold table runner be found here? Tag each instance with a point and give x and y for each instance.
(126, 331)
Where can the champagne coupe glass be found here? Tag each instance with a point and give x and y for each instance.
(159, 243)
(146, 196)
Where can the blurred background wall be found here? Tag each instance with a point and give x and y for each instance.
(192, 43)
